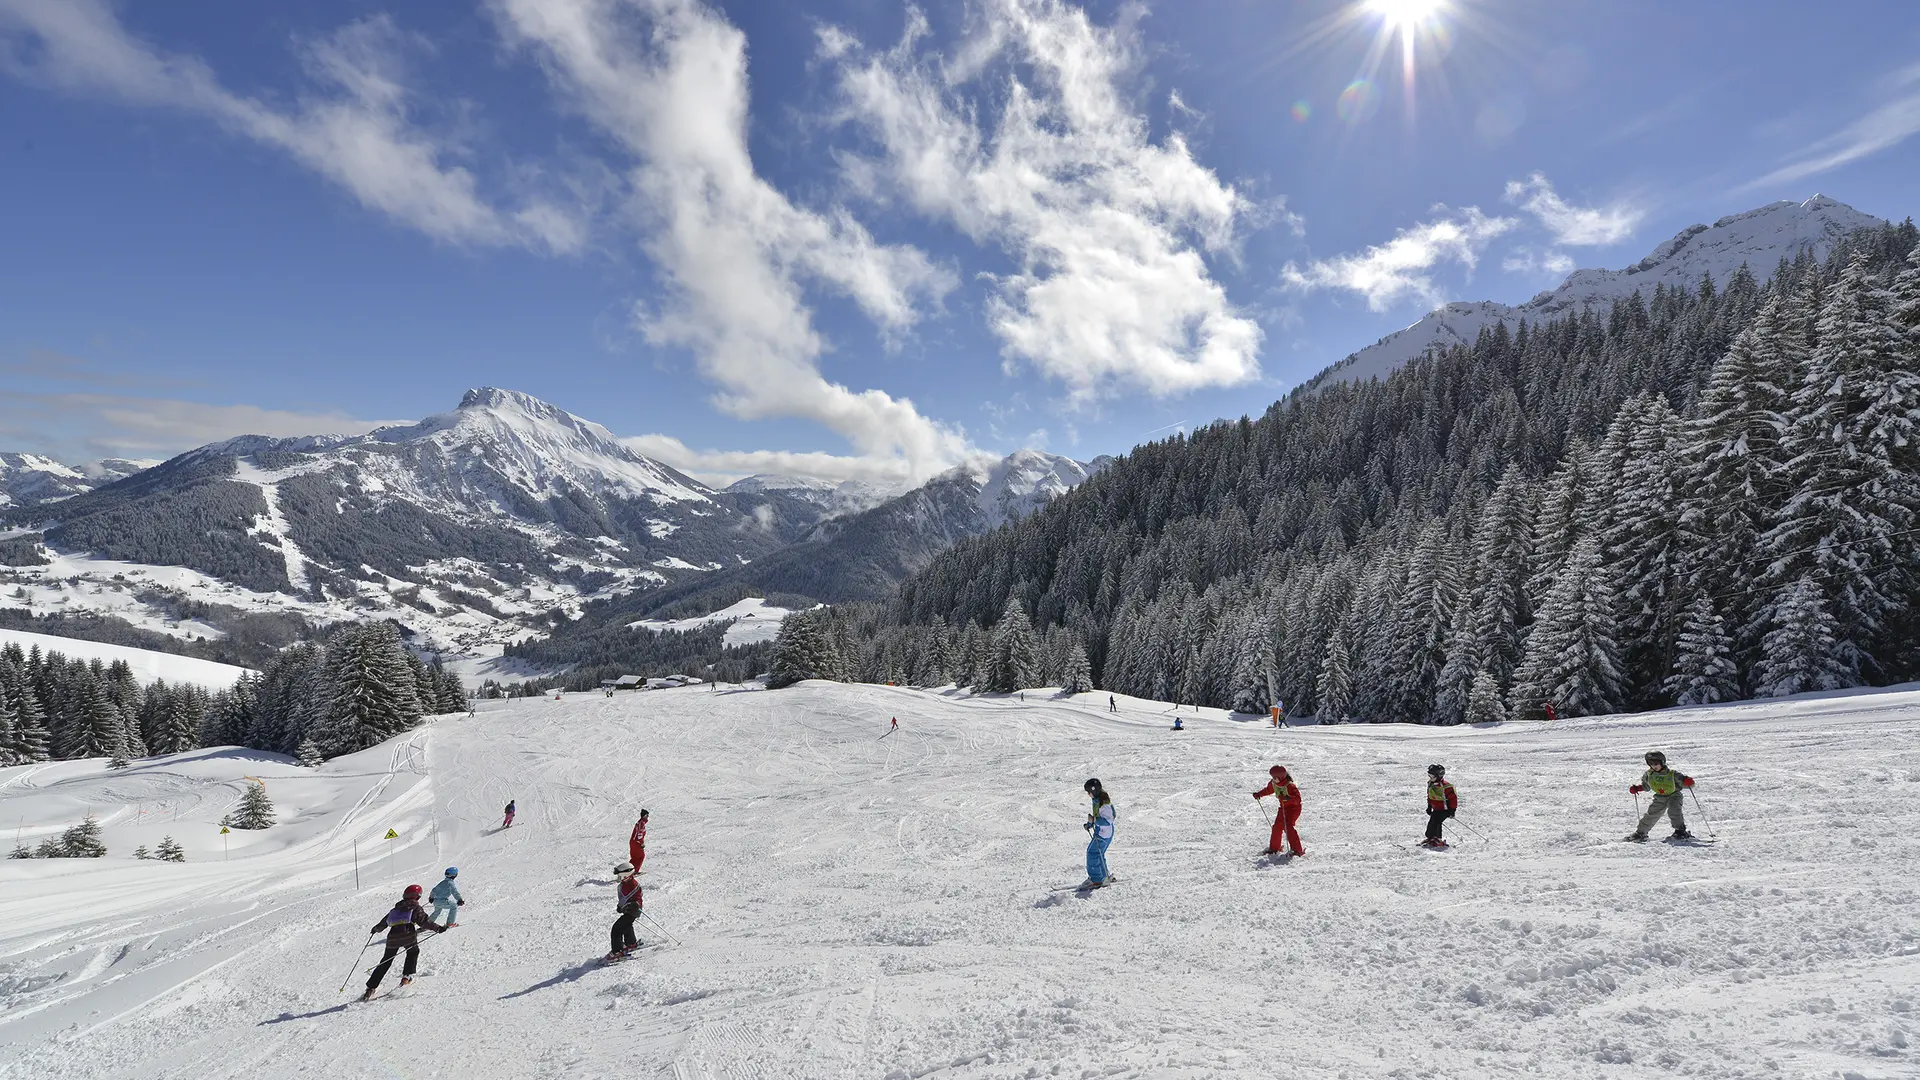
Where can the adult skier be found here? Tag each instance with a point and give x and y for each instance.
(1287, 795)
(403, 925)
(1668, 792)
(637, 843)
(1112, 704)
(628, 903)
(446, 896)
(508, 823)
(1442, 803)
(1100, 822)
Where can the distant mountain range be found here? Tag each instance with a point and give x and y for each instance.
(475, 526)
(1757, 239)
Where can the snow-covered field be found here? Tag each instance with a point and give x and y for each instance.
(854, 906)
(749, 621)
(147, 664)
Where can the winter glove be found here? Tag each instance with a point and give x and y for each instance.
(1088, 826)
(1450, 814)
(1636, 789)
(463, 903)
(1686, 781)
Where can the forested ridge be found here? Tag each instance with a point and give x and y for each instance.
(1697, 495)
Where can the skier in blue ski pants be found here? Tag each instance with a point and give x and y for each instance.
(446, 897)
(1099, 832)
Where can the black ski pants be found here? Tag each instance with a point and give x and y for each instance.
(623, 929)
(386, 961)
(1434, 818)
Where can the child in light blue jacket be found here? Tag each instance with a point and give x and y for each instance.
(446, 895)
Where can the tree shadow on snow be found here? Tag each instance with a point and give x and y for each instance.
(566, 975)
(286, 1016)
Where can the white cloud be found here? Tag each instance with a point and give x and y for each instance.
(1402, 267)
(1574, 226)
(77, 426)
(353, 129)
(1024, 139)
(667, 81)
(1525, 260)
(723, 467)
(1883, 128)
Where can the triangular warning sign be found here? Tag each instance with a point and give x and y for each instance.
(224, 830)
(391, 835)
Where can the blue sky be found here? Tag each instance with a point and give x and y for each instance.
(850, 237)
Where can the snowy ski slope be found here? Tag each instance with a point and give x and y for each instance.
(147, 664)
(854, 906)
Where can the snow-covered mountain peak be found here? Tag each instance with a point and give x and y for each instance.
(1020, 483)
(1757, 239)
(844, 497)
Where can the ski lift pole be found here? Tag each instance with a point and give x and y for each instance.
(1704, 816)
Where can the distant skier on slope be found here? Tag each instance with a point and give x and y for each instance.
(508, 823)
(1177, 725)
(1287, 795)
(628, 902)
(403, 925)
(446, 896)
(637, 843)
(1112, 704)
(1668, 794)
(896, 724)
(1442, 803)
(1100, 822)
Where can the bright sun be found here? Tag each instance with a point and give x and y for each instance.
(1404, 14)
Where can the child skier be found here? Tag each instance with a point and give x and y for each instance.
(508, 824)
(1177, 725)
(1287, 795)
(1442, 803)
(637, 843)
(1100, 822)
(403, 925)
(628, 903)
(446, 897)
(1666, 785)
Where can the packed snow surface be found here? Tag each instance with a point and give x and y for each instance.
(147, 664)
(750, 621)
(852, 905)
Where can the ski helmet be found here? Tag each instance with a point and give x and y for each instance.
(453, 871)
(1436, 770)
(624, 868)
(1276, 771)
(413, 892)
(1655, 757)
(643, 812)
(1092, 784)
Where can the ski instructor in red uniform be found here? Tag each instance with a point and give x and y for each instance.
(1287, 794)
(637, 843)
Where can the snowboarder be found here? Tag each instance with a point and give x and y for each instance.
(1177, 725)
(1666, 785)
(403, 925)
(508, 823)
(637, 843)
(1100, 822)
(1284, 792)
(629, 903)
(446, 896)
(1442, 803)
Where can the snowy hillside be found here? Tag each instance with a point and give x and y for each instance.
(851, 906)
(749, 621)
(845, 497)
(147, 665)
(27, 479)
(1757, 239)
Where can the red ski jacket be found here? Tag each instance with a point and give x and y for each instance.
(630, 893)
(1283, 789)
(640, 832)
(1441, 796)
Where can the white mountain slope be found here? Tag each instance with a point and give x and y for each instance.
(147, 664)
(27, 479)
(845, 497)
(844, 905)
(1759, 239)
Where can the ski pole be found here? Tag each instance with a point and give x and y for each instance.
(1636, 808)
(356, 962)
(1471, 829)
(663, 929)
(1704, 816)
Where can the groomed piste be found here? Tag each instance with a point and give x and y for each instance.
(852, 905)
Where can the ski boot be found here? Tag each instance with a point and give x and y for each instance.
(1638, 838)
(404, 980)
(1681, 835)
(368, 996)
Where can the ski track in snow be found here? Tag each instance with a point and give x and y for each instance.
(274, 523)
(848, 905)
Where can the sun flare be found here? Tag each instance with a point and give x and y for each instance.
(1405, 15)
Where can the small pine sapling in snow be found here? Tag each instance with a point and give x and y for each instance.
(117, 761)
(20, 851)
(170, 851)
(309, 755)
(83, 841)
(255, 810)
(141, 852)
(50, 849)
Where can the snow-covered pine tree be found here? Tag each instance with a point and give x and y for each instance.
(1502, 555)
(803, 650)
(49, 848)
(1253, 674)
(1423, 624)
(1797, 654)
(1703, 672)
(1012, 665)
(309, 755)
(372, 689)
(1572, 656)
(20, 851)
(1077, 677)
(1334, 691)
(83, 841)
(170, 851)
(142, 853)
(255, 810)
(117, 761)
(1484, 703)
(1647, 550)
(97, 729)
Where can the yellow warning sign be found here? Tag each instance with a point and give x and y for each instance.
(391, 835)
(224, 830)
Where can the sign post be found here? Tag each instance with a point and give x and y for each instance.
(390, 838)
(223, 842)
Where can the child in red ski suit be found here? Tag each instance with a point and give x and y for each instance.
(1283, 790)
(637, 843)
(1442, 803)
